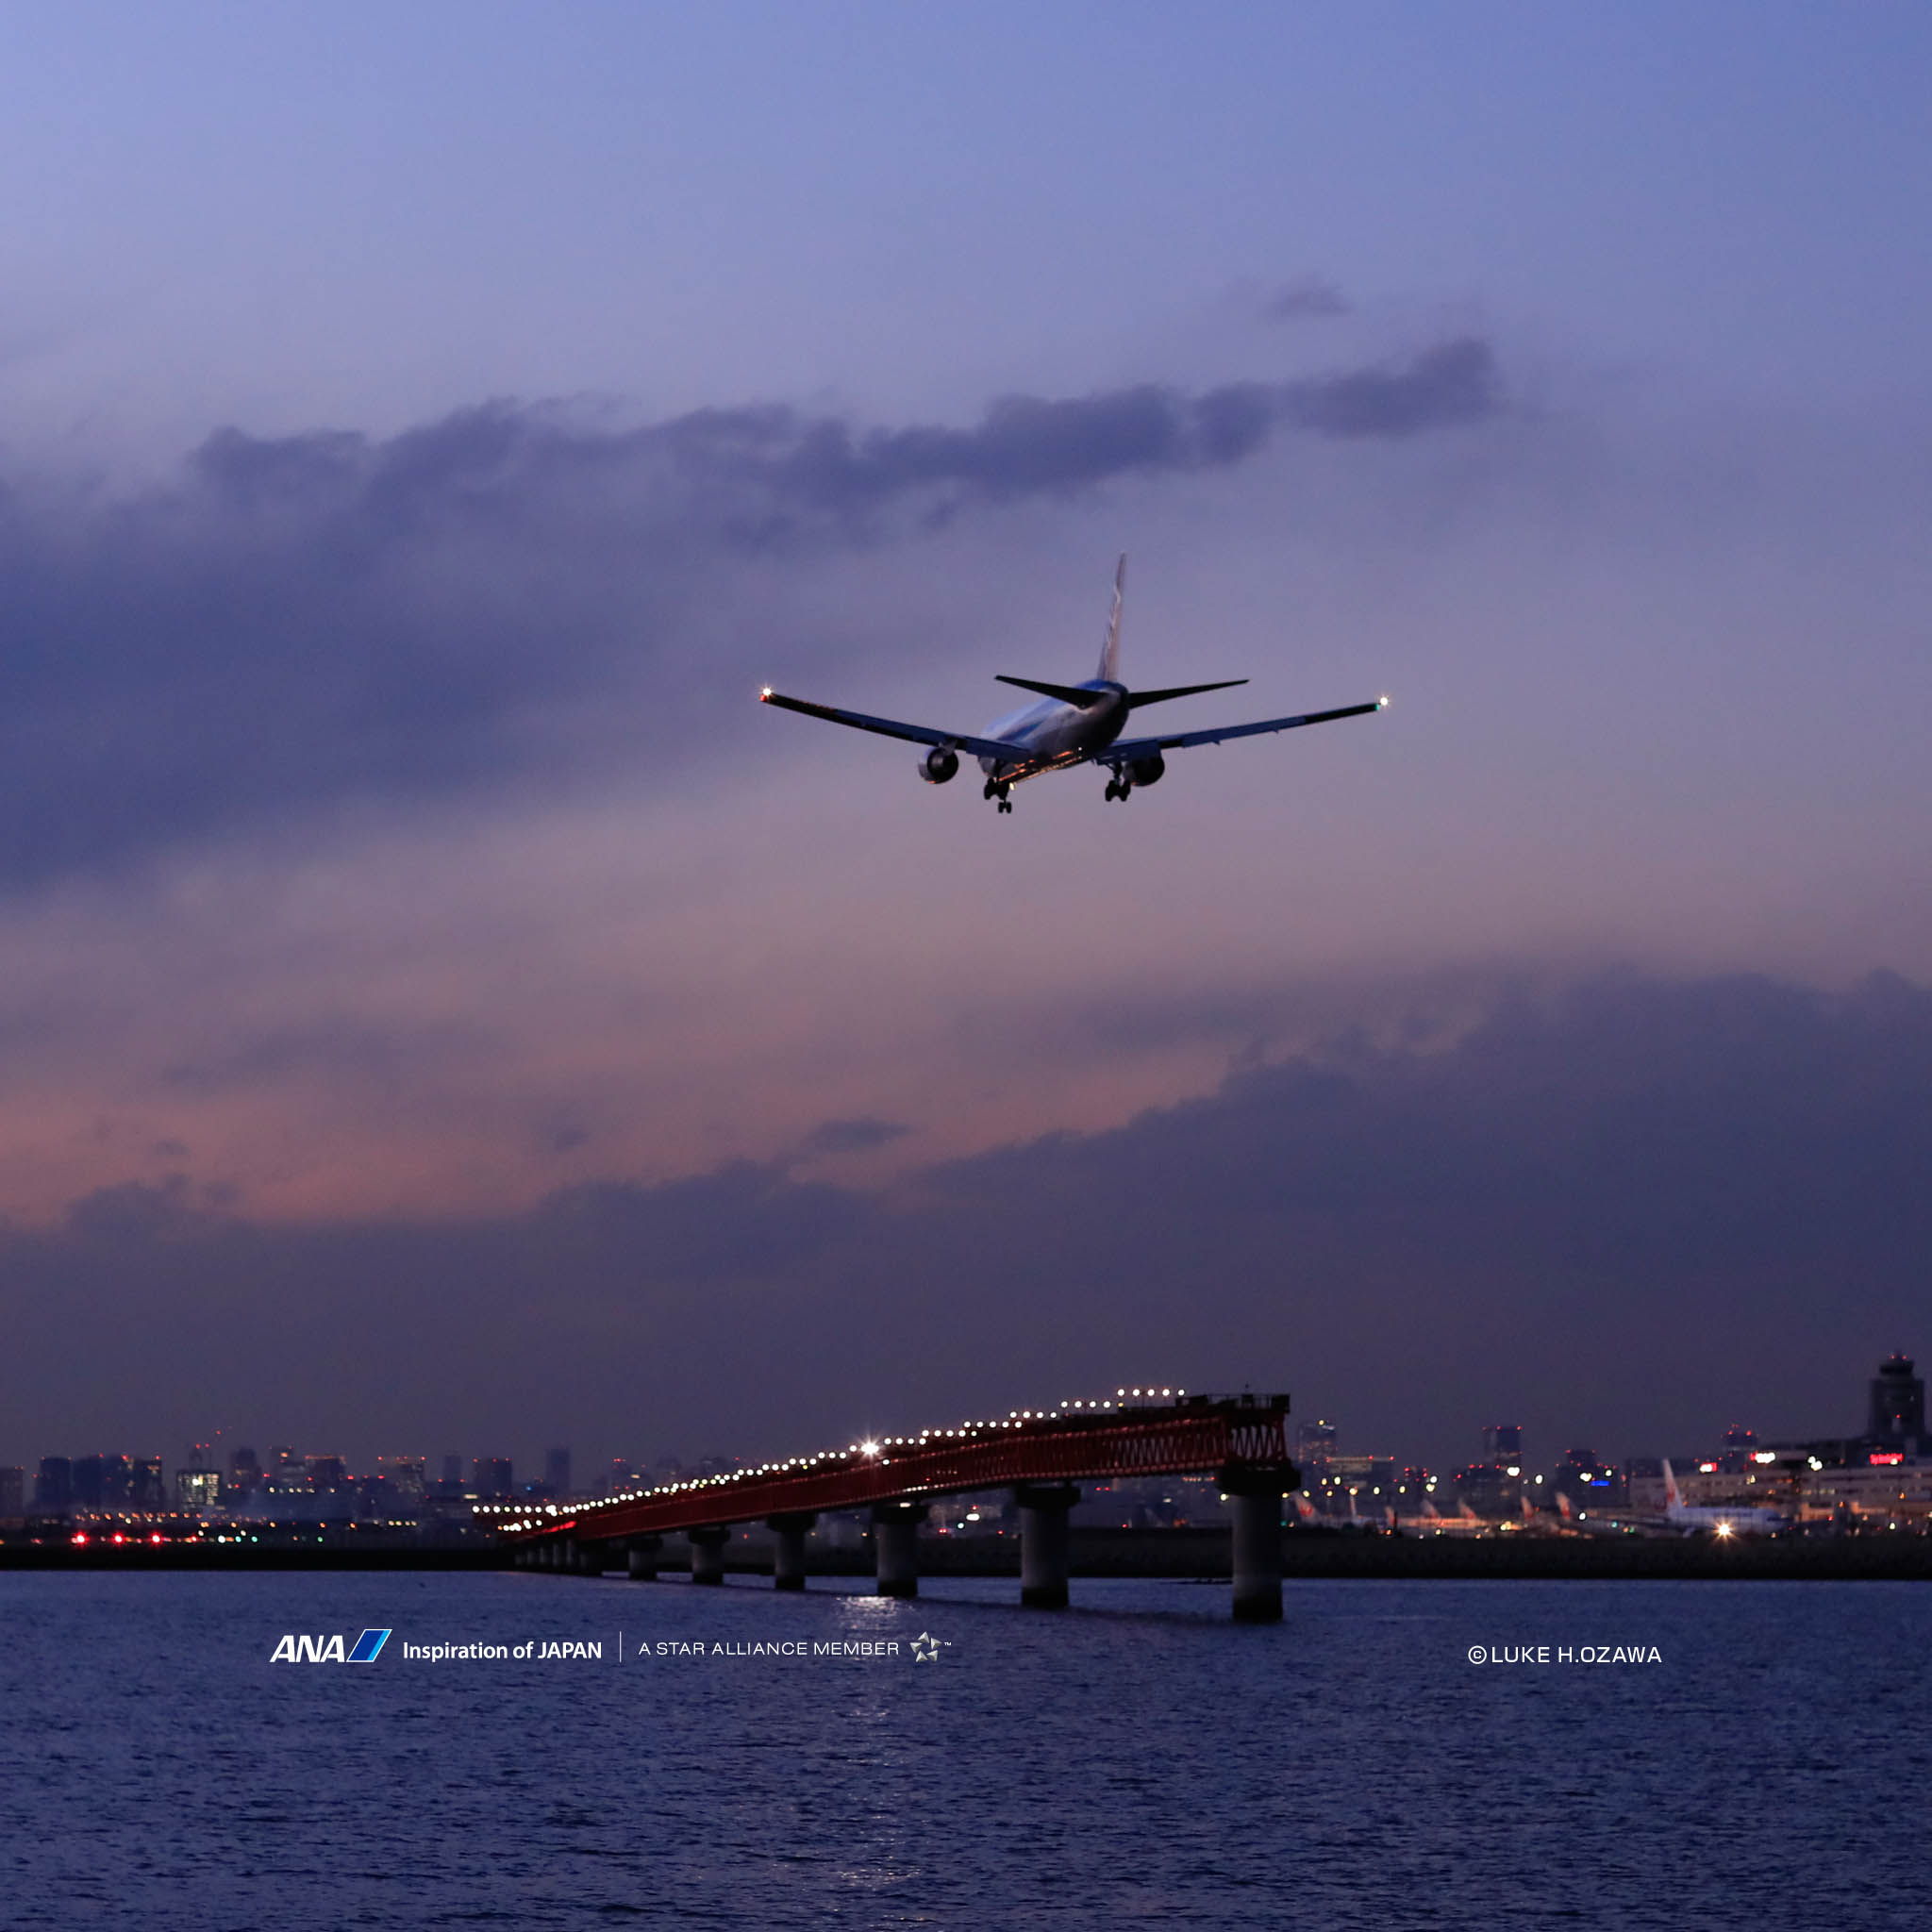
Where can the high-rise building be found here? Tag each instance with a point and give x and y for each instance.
(1898, 1400)
(1503, 1443)
(453, 1469)
(405, 1476)
(53, 1485)
(244, 1470)
(196, 1490)
(492, 1477)
(557, 1471)
(146, 1484)
(12, 1492)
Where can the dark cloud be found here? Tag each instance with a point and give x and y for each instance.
(1455, 383)
(311, 619)
(1310, 295)
(853, 1137)
(1628, 1214)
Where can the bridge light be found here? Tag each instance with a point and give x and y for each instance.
(869, 1448)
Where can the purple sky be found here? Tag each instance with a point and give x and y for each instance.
(440, 1009)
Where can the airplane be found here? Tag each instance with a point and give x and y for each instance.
(1723, 1520)
(1067, 724)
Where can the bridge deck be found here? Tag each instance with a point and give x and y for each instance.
(1244, 1432)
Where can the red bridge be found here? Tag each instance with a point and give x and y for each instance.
(1041, 1455)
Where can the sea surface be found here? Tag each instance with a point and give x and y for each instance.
(1138, 1758)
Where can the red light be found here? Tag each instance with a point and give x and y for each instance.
(79, 1536)
(1884, 1456)
(156, 1537)
(118, 1538)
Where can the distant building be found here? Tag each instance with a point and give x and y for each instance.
(1587, 1481)
(146, 1484)
(12, 1492)
(491, 1476)
(557, 1471)
(53, 1485)
(197, 1489)
(1315, 1442)
(1898, 1403)
(244, 1470)
(1503, 1445)
(453, 1470)
(403, 1476)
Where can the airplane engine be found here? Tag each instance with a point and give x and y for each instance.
(1147, 771)
(938, 765)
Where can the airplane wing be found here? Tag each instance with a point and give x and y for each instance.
(912, 734)
(1126, 749)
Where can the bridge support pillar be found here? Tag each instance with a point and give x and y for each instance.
(592, 1555)
(788, 1558)
(1255, 1495)
(642, 1557)
(1044, 1543)
(895, 1547)
(707, 1554)
(553, 1553)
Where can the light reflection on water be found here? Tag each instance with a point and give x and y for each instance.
(1138, 1757)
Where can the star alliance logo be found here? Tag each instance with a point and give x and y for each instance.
(926, 1650)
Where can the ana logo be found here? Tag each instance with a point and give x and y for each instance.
(329, 1650)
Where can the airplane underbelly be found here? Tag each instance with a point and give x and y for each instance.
(1052, 742)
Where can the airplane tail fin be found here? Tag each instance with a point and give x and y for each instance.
(1672, 1498)
(1110, 650)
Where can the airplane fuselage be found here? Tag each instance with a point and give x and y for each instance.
(1053, 734)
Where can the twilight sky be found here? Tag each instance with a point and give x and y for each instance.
(442, 1009)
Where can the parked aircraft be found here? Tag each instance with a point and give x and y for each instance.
(1067, 724)
(1721, 1518)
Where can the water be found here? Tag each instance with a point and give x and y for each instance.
(1136, 1759)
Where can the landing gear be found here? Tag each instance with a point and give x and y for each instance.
(999, 787)
(1118, 787)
